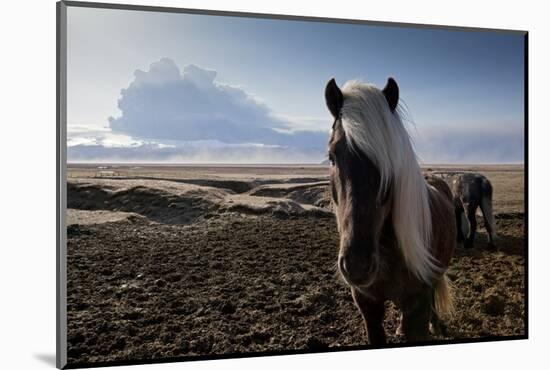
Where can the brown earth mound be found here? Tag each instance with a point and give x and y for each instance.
(175, 202)
(160, 201)
(309, 193)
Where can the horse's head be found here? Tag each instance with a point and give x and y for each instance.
(360, 179)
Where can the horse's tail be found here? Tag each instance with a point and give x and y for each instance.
(487, 206)
(443, 297)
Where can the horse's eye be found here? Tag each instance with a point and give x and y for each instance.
(331, 159)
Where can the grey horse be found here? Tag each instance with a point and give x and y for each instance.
(470, 191)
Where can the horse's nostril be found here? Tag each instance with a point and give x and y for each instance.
(342, 265)
(352, 268)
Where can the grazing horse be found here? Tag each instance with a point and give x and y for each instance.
(397, 229)
(470, 192)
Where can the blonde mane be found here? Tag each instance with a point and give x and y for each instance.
(371, 127)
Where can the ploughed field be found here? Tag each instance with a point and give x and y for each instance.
(184, 261)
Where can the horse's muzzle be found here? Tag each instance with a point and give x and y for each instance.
(355, 270)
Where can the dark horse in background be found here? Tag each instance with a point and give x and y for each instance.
(470, 192)
(397, 229)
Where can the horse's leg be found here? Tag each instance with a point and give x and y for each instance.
(459, 214)
(416, 318)
(437, 326)
(473, 225)
(487, 210)
(373, 315)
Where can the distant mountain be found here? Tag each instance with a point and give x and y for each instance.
(326, 162)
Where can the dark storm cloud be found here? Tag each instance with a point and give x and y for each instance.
(165, 104)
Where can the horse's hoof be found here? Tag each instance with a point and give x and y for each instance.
(399, 330)
(438, 329)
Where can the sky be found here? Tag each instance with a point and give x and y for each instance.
(151, 87)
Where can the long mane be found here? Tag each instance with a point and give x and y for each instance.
(371, 127)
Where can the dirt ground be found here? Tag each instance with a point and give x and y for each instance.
(170, 262)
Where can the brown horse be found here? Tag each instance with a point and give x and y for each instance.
(397, 229)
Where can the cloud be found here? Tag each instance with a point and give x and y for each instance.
(103, 138)
(165, 104)
(193, 152)
(93, 145)
(169, 115)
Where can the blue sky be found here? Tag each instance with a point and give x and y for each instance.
(161, 87)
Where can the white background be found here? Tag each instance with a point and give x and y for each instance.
(27, 193)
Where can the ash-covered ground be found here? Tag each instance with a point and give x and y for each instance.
(169, 262)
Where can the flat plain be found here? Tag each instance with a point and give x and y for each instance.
(171, 261)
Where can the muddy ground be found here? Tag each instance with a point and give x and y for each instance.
(162, 268)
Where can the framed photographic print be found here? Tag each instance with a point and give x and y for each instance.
(235, 184)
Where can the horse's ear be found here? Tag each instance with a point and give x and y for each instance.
(391, 92)
(334, 98)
